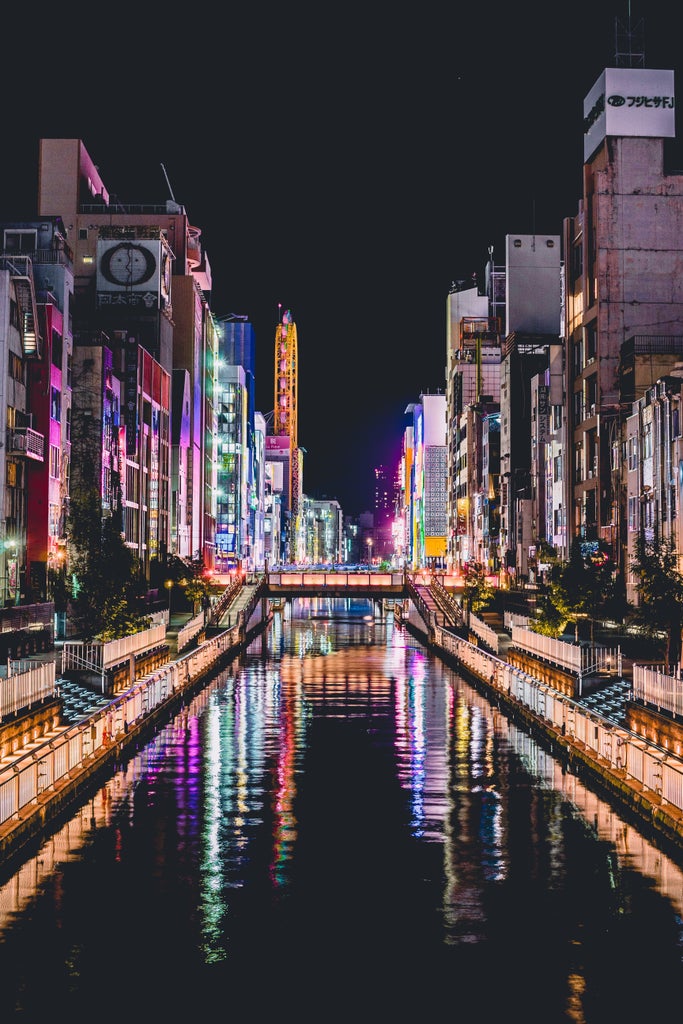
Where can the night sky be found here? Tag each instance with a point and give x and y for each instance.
(345, 163)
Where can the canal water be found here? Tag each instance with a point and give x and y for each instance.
(340, 828)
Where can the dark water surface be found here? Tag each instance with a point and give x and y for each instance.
(339, 828)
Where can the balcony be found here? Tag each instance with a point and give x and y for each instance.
(27, 442)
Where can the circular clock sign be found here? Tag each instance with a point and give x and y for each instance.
(128, 264)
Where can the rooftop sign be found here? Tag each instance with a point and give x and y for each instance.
(629, 102)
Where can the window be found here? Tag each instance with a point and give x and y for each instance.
(56, 349)
(578, 357)
(647, 440)
(632, 449)
(55, 404)
(21, 241)
(591, 385)
(54, 461)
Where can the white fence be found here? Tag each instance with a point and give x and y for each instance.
(511, 619)
(98, 656)
(190, 630)
(618, 748)
(26, 684)
(30, 774)
(579, 658)
(655, 687)
(484, 632)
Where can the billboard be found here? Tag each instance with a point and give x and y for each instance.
(277, 444)
(133, 272)
(629, 102)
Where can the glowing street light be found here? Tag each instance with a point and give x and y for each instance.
(369, 544)
(169, 586)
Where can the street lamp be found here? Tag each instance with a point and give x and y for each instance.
(169, 586)
(369, 544)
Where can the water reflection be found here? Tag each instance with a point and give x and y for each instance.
(340, 825)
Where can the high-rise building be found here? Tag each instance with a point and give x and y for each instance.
(140, 284)
(39, 439)
(19, 345)
(623, 311)
(428, 517)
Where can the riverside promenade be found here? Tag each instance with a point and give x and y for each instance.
(63, 747)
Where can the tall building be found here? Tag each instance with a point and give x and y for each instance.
(385, 508)
(40, 448)
(473, 355)
(623, 309)
(324, 531)
(141, 282)
(20, 344)
(238, 499)
(427, 500)
(532, 333)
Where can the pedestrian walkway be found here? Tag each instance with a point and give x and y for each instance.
(242, 600)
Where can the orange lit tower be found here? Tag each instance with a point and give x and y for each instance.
(285, 420)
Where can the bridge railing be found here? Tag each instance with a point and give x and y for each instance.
(334, 580)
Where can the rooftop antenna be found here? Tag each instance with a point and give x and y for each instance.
(169, 184)
(629, 43)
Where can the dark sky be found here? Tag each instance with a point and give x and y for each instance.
(347, 163)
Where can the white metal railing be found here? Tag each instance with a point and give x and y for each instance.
(656, 687)
(31, 684)
(28, 774)
(190, 630)
(622, 750)
(511, 619)
(581, 659)
(484, 632)
(323, 580)
(99, 656)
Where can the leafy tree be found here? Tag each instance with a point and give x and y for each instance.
(477, 591)
(197, 592)
(551, 616)
(581, 588)
(107, 586)
(660, 592)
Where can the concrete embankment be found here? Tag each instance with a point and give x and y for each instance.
(657, 819)
(27, 828)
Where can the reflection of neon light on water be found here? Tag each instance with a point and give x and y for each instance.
(284, 827)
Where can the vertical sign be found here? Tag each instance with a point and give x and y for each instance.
(131, 399)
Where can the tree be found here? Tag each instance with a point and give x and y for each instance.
(477, 592)
(660, 592)
(197, 591)
(581, 588)
(107, 586)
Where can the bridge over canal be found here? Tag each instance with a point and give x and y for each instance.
(425, 596)
(335, 584)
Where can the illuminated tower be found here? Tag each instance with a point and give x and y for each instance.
(285, 420)
(285, 424)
